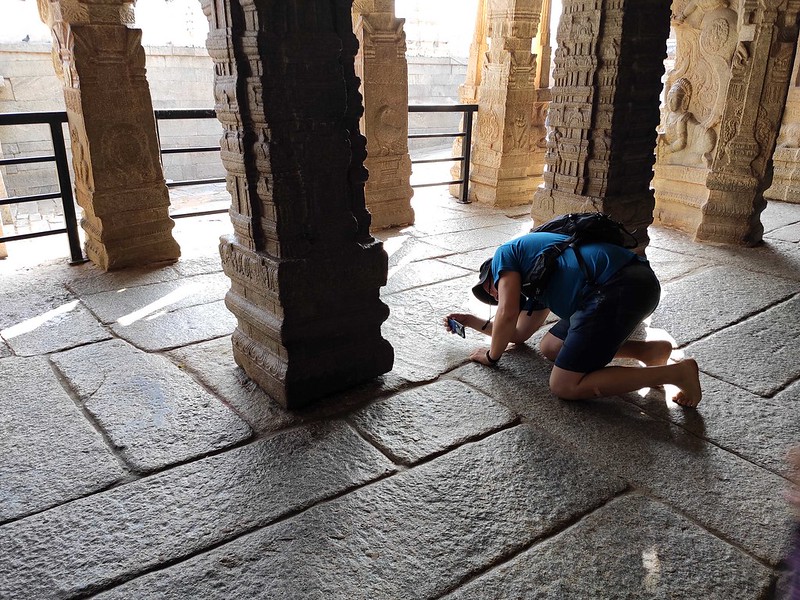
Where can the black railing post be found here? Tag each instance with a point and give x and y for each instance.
(467, 152)
(67, 201)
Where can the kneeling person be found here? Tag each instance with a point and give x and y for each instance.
(600, 297)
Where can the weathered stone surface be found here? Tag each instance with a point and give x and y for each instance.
(404, 249)
(49, 453)
(151, 411)
(790, 233)
(455, 223)
(87, 544)
(706, 301)
(760, 354)
(671, 265)
(644, 546)
(212, 363)
(420, 274)
(128, 305)
(415, 328)
(4, 349)
(759, 429)
(28, 293)
(741, 502)
(429, 420)
(470, 260)
(198, 265)
(779, 214)
(89, 279)
(464, 241)
(413, 535)
(63, 327)
(164, 330)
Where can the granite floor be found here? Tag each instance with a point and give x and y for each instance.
(137, 461)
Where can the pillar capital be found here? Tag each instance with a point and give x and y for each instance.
(87, 12)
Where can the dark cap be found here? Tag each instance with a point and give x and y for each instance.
(478, 289)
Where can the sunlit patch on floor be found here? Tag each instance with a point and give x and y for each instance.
(51, 317)
(171, 298)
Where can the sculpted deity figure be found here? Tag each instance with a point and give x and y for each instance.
(704, 6)
(684, 140)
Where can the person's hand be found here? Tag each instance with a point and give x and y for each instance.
(464, 318)
(479, 356)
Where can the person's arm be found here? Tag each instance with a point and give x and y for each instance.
(504, 327)
(526, 325)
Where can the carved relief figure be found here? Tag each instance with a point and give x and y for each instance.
(684, 140)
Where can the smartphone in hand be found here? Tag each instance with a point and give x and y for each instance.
(456, 327)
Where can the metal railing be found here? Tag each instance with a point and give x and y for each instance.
(55, 121)
(467, 110)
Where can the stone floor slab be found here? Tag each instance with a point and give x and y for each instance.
(412, 535)
(423, 348)
(90, 543)
(778, 214)
(429, 420)
(648, 552)
(464, 241)
(63, 327)
(721, 491)
(89, 279)
(706, 301)
(49, 452)
(758, 429)
(199, 265)
(212, 363)
(29, 293)
(760, 354)
(5, 350)
(790, 233)
(165, 330)
(151, 411)
(672, 265)
(459, 223)
(420, 274)
(129, 305)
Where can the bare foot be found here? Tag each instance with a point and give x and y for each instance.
(688, 381)
(656, 353)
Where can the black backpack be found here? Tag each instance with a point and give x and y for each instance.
(582, 228)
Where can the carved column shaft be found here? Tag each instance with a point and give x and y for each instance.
(381, 65)
(119, 182)
(726, 97)
(508, 151)
(305, 273)
(604, 111)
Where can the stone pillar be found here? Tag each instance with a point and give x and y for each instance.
(508, 152)
(604, 112)
(3, 211)
(725, 98)
(305, 272)
(381, 65)
(119, 182)
(786, 159)
(468, 91)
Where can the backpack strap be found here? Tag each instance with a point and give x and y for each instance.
(582, 265)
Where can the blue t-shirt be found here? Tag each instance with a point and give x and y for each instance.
(566, 287)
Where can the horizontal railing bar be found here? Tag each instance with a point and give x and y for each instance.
(32, 118)
(185, 113)
(27, 236)
(190, 149)
(420, 136)
(442, 108)
(26, 161)
(436, 160)
(200, 213)
(173, 184)
(26, 199)
(420, 185)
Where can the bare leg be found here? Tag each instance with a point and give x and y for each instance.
(652, 353)
(611, 381)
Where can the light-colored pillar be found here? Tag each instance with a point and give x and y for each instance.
(381, 65)
(786, 159)
(305, 272)
(604, 111)
(119, 182)
(508, 151)
(468, 91)
(724, 103)
(3, 212)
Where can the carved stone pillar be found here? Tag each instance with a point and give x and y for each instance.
(119, 182)
(724, 103)
(381, 65)
(604, 112)
(786, 159)
(305, 272)
(508, 152)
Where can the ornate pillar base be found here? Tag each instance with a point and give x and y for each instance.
(286, 339)
(679, 207)
(388, 190)
(786, 176)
